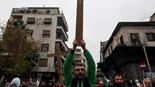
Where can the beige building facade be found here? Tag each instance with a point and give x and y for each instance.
(48, 26)
(124, 51)
(130, 44)
(132, 34)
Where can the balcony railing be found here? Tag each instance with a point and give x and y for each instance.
(47, 20)
(60, 22)
(31, 20)
(61, 33)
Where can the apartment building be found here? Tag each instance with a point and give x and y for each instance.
(48, 26)
(79, 57)
(152, 18)
(124, 51)
(102, 47)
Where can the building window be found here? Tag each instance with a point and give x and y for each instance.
(58, 34)
(44, 47)
(17, 18)
(48, 11)
(46, 33)
(61, 23)
(109, 51)
(30, 20)
(150, 36)
(30, 33)
(34, 11)
(134, 36)
(121, 40)
(55, 62)
(134, 39)
(28, 11)
(43, 63)
(21, 11)
(111, 48)
(47, 20)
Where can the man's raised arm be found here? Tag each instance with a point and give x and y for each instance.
(91, 64)
(67, 67)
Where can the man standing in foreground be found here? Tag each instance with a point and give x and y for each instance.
(79, 77)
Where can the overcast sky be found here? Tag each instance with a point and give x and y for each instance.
(100, 16)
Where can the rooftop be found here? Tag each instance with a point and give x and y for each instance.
(121, 24)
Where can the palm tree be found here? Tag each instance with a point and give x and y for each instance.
(22, 53)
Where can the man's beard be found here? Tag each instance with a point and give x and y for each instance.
(80, 76)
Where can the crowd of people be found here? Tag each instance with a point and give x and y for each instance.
(119, 81)
(79, 75)
(101, 81)
(17, 82)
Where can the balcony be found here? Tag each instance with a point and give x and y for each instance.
(16, 18)
(61, 22)
(63, 46)
(61, 34)
(16, 10)
(30, 20)
(47, 20)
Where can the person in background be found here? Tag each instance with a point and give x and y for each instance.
(119, 81)
(2, 81)
(99, 83)
(100, 75)
(15, 82)
(96, 84)
(51, 83)
(6, 84)
(43, 84)
(24, 83)
(35, 83)
(147, 82)
(30, 82)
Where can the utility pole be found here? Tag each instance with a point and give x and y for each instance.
(148, 63)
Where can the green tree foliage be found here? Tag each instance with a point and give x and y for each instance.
(2, 28)
(18, 51)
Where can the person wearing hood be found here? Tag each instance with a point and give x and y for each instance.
(15, 82)
(80, 76)
(101, 76)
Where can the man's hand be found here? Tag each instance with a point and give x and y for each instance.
(83, 45)
(75, 44)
